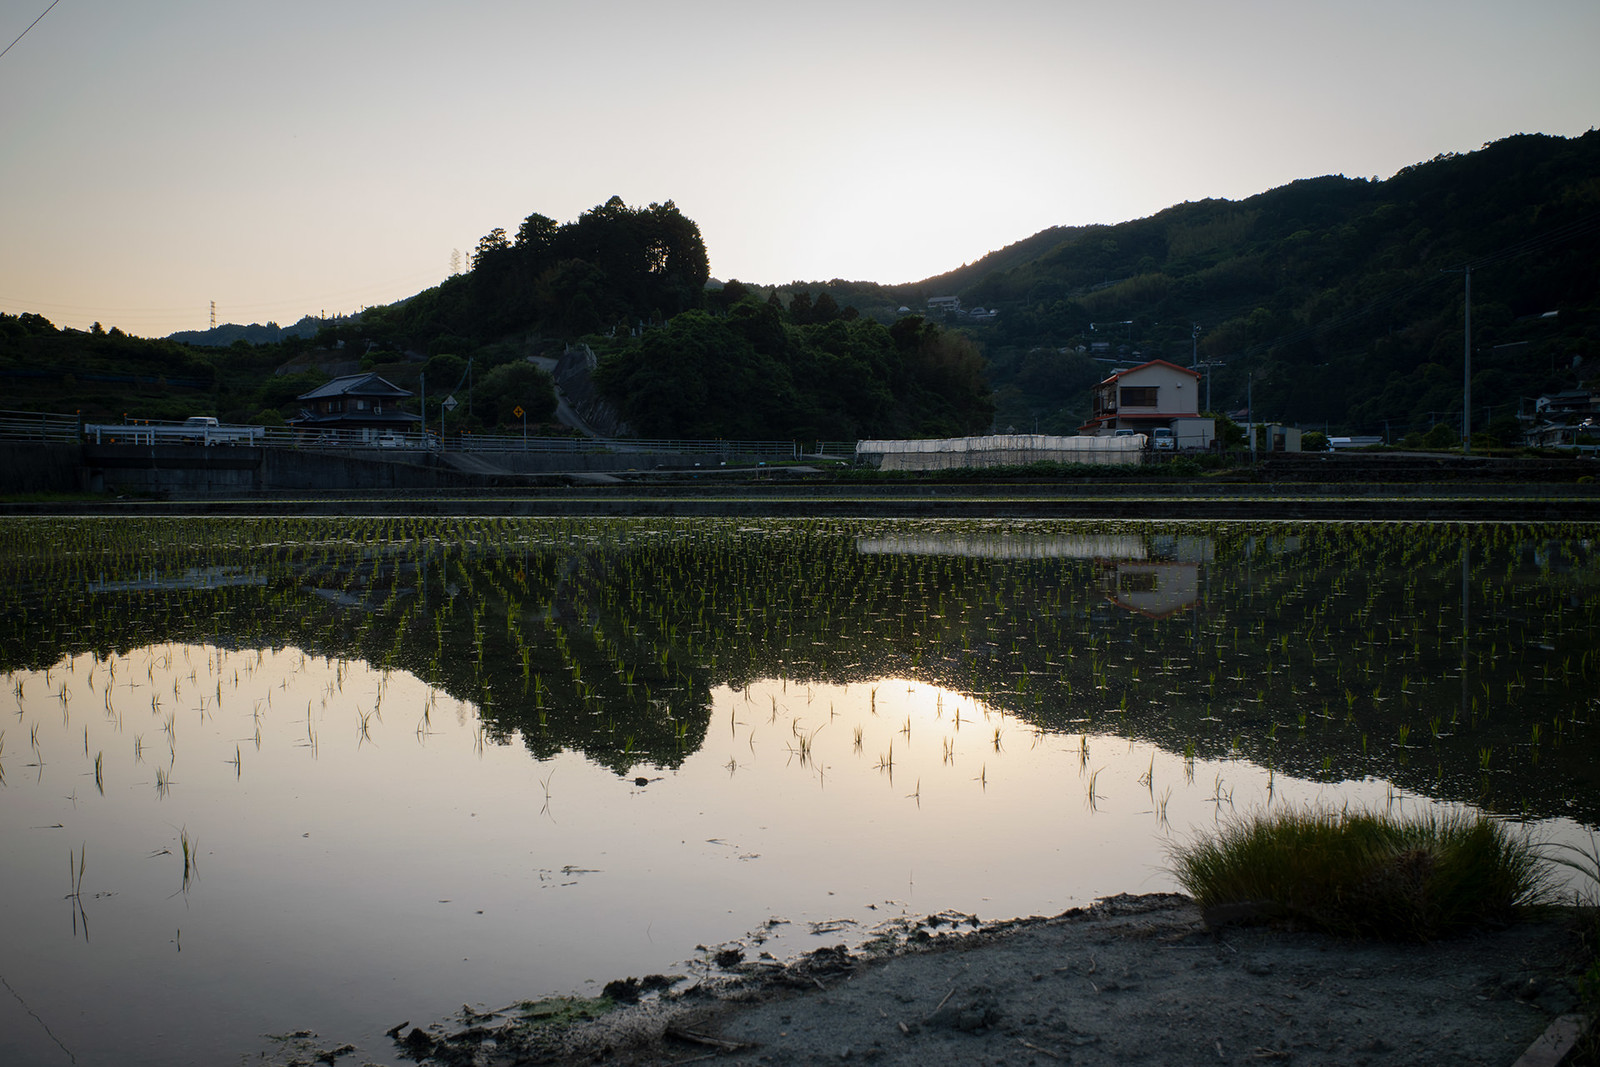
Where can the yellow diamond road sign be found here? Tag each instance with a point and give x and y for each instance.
(517, 411)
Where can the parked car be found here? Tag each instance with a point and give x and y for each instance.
(1144, 441)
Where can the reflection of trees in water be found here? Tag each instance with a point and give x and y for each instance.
(1313, 649)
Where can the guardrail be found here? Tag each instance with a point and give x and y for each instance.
(67, 428)
(42, 426)
(509, 443)
(834, 450)
(172, 433)
(39, 426)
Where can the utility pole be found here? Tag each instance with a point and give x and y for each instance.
(1466, 373)
(1250, 411)
(1466, 363)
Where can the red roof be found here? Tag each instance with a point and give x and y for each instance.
(1151, 363)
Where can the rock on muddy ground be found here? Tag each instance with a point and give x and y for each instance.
(1128, 980)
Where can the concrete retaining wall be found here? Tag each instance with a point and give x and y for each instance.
(184, 472)
(559, 462)
(40, 467)
(171, 470)
(289, 470)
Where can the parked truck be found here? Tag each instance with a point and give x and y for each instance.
(195, 430)
(206, 430)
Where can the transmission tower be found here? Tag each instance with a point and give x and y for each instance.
(213, 314)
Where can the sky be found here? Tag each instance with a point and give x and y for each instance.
(319, 156)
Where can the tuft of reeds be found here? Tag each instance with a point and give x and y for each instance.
(1583, 860)
(1363, 875)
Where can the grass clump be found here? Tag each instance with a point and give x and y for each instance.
(1363, 875)
(1585, 861)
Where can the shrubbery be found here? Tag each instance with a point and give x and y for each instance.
(1363, 875)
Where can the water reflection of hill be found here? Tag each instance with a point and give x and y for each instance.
(1454, 662)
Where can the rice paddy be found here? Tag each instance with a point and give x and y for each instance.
(338, 770)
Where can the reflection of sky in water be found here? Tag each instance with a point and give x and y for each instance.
(364, 856)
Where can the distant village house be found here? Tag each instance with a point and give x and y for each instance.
(949, 307)
(364, 403)
(1143, 398)
(1562, 420)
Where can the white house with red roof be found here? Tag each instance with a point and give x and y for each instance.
(1143, 398)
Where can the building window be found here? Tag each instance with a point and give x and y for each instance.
(1136, 581)
(1139, 396)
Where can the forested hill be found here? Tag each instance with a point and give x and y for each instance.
(675, 358)
(1338, 302)
(1342, 298)
(678, 360)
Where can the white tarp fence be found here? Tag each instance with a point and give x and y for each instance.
(1000, 450)
(1008, 546)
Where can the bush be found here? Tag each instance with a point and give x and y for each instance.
(1363, 875)
(1443, 435)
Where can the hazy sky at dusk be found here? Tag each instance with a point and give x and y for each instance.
(298, 157)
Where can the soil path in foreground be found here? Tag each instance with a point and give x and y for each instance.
(1132, 980)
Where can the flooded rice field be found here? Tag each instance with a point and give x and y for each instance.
(267, 776)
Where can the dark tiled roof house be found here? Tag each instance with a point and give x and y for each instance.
(362, 402)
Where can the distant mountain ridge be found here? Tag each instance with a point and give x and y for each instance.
(1016, 254)
(1329, 301)
(269, 333)
(1332, 300)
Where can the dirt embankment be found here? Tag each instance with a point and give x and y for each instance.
(1129, 980)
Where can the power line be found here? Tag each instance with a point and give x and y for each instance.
(367, 295)
(1558, 235)
(31, 25)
